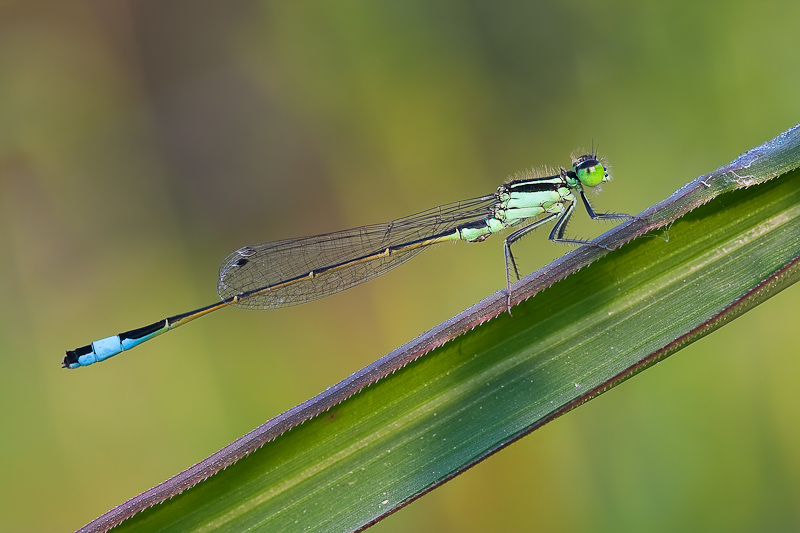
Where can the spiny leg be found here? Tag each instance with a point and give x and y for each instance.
(510, 262)
(600, 216)
(557, 235)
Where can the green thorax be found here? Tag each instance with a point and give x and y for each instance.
(526, 198)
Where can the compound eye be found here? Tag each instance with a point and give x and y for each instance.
(590, 171)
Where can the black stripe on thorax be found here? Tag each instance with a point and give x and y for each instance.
(549, 183)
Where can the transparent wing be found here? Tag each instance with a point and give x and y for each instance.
(287, 264)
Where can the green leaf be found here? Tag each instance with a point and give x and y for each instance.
(407, 423)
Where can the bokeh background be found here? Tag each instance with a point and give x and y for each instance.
(142, 141)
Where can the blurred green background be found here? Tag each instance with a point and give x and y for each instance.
(141, 142)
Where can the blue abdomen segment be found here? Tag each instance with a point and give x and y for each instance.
(102, 349)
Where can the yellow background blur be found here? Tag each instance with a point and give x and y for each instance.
(142, 141)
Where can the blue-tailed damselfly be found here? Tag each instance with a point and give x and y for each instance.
(293, 271)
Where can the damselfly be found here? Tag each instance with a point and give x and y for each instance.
(294, 271)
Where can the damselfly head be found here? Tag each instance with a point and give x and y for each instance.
(589, 170)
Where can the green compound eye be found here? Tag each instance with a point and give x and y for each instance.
(590, 171)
